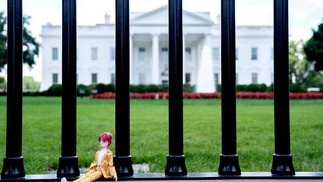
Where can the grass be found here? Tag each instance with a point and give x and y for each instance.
(149, 133)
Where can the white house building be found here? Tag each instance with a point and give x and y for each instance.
(149, 51)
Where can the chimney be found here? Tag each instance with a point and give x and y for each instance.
(106, 18)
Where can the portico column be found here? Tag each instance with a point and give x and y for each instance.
(205, 76)
(155, 60)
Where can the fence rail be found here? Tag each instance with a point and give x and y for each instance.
(282, 164)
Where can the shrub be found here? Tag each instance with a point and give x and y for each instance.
(100, 88)
(241, 88)
(163, 88)
(133, 88)
(270, 88)
(82, 90)
(110, 88)
(54, 90)
(262, 87)
(92, 88)
(141, 88)
(218, 88)
(138, 88)
(251, 88)
(296, 88)
(187, 88)
(151, 88)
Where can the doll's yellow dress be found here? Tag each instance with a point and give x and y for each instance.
(105, 169)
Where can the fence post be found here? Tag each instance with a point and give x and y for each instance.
(13, 165)
(122, 158)
(229, 163)
(68, 162)
(282, 159)
(175, 159)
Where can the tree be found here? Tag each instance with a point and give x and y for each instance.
(314, 48)
(30, 45)
(299, 69)
(3, 41)
(30, 85)
(3, 84)
(301, 72)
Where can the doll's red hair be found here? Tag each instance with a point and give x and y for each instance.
(106, 137)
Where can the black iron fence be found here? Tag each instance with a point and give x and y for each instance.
(282, 163)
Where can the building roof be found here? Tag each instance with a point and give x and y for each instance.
(160, 16)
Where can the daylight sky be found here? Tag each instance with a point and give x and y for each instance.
(304, 15)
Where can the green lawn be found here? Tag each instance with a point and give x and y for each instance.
(149, 133)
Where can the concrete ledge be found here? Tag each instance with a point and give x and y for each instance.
(245, 176)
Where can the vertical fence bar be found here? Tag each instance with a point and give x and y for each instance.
(13, 165)
(282, 159)
(122, 159)
(68, 162)
(229, 162)
(175, 159)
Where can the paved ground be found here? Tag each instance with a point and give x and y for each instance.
(195, 177)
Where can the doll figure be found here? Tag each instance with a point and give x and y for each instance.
(102, 166)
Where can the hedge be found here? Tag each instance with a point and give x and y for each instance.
(214, 95)
(87, 90)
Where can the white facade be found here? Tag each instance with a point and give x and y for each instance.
(149, 51)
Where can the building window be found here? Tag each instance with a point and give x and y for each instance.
(94, 78)
(142, 78)
(237, 53)
(164, 55)
(188, 54)
(54, 53)
(237, 78)
(55, 78)
(113, 78)
(94, 53)
(254, 78)
(216, 78)
(142, 54)
(188, 78)
(164, 82)
(215, 53)
(272, 77)
(254, 53)
(112, 53)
